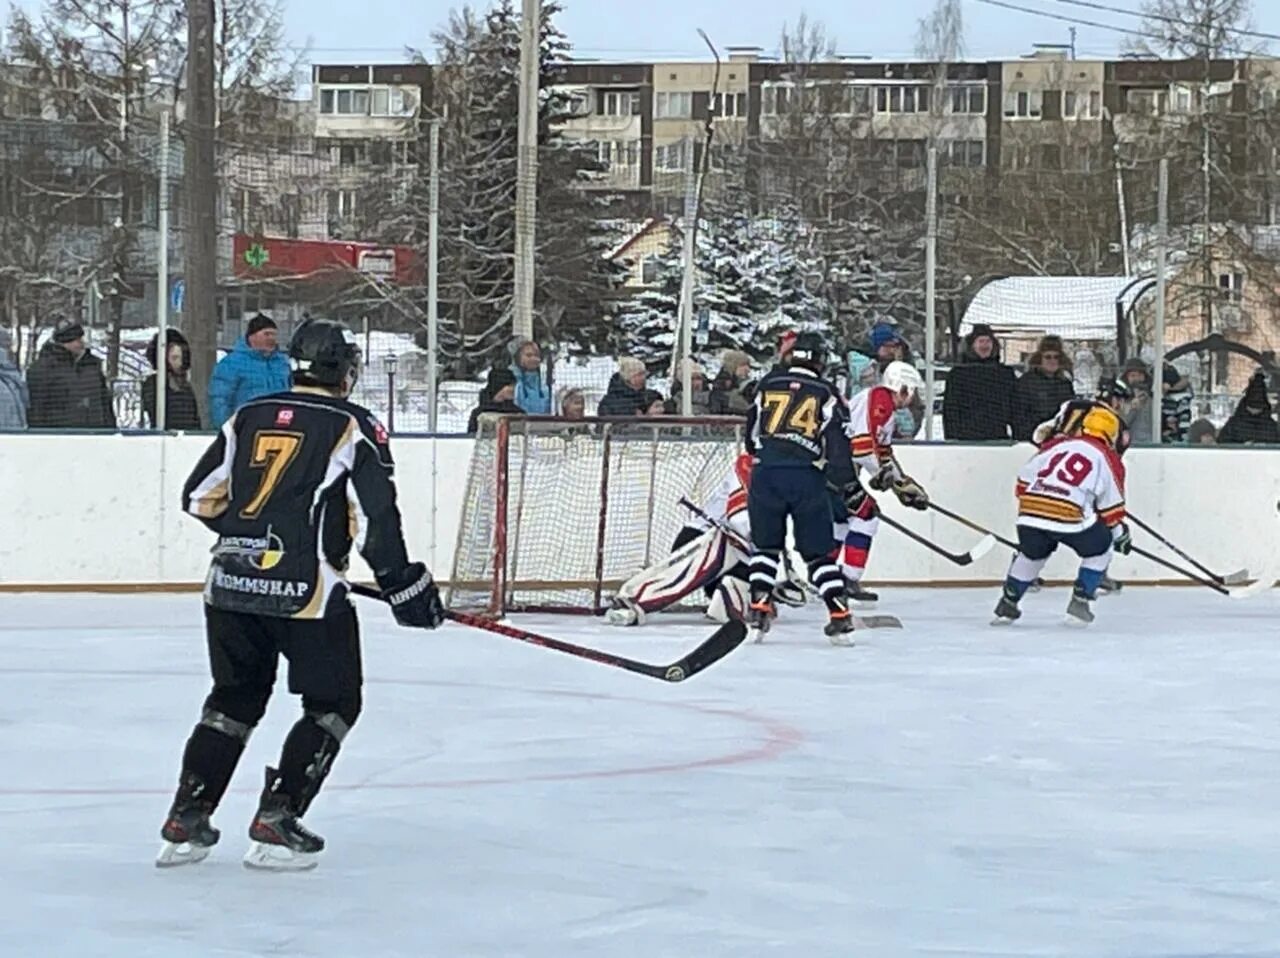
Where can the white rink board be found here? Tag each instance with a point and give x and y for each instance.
(104, 510)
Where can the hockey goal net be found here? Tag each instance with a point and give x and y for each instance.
(558, 514)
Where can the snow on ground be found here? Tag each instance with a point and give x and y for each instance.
(950, 789)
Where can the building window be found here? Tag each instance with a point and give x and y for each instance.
(902, 99)
(729, 104)
(327, 101)
(776, 99)
(1145, 102)
(671, 157)
(341, 205)
(1023, 104)
(619, 153)
(348, 154)
(969, 98)
(673, 106)
(619, 103)
(1231, 287)
(965, 153)
(650, 269)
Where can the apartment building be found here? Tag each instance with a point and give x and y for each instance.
(1042, 112)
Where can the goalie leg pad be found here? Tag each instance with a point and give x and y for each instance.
(697, 564)
(730, 600)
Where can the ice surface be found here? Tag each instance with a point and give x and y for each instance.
(950, 789)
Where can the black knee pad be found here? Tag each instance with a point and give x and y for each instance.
(346, 710)
(246, 706)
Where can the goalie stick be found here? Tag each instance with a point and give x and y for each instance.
(721, 642)
(859, 621)
(1234, 578)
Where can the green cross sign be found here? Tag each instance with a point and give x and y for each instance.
(257, 256)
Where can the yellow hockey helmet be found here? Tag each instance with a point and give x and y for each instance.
(1102, 423)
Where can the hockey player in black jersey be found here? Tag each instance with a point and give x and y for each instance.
(290, 484)
(796, 431)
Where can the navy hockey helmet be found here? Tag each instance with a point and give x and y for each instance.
(324, 353)
(809, 351)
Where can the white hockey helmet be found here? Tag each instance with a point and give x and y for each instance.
(899, 375)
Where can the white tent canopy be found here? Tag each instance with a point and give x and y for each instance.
(1073, 307)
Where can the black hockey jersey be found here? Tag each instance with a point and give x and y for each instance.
(292, 481)
(798, 418)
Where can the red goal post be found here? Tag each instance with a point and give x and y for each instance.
(558, 513)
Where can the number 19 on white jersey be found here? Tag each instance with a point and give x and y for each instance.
(1069, 484)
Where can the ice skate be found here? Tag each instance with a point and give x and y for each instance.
(1078, 610)
(854, 592)
(839, 627)
(280, 842)
(760, 618)
(1007, 612)
(789, 593)
(188, 834)
(1109, 585)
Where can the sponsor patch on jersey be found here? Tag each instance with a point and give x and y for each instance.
(379, 433)
(284, 417)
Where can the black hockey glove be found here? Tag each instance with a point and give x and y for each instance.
(886, 477)
(1121, 540)
(857, 500)
(413, 597)
(910, 493)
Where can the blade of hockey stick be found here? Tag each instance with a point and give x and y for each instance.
(1264, 581)
(1235, 578)
(984, 545)
(971, 524)
(877, 622)
(721, 642)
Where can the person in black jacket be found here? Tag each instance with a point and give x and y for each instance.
(979, 401)
(497, 396)
(1252, 421)
(727, 389)
(68, 388)
(1043, 388)
(625, 395)
(180, 411)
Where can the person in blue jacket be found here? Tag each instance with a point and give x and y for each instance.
(532, 393)
(255, 367)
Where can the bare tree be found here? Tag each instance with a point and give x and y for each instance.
(1196, 29)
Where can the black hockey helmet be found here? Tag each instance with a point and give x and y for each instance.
(809, 351)
(1113, 392)
(324, 353)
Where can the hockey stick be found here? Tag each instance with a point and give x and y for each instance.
(972, 525)
(985, 545)
(1262, 584)
(1235, 578)
(723, 641)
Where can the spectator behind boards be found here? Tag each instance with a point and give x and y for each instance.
(532, 393)
(13, 390)
(979, 400)
(497, 396)
(1252, 421)
(1043, 388)
(255, 367)
(68, 388)
(180, 410)
(626, 389)
(728, 395)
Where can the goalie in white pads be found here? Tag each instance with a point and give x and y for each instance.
(1070, 493)
(709, 554)
(871, 426)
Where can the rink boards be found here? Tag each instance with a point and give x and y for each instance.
(103, 511)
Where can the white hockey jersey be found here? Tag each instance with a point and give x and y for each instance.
(871, 425)
(1070, 484)
(729, 499)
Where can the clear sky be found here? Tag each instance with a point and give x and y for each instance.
(377, 30)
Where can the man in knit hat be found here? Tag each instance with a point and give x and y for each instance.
(254, 367)
(68, 387)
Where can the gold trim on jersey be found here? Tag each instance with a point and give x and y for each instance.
(1046, 507)
(1113, 516)
(214, 502)
(863, 445)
